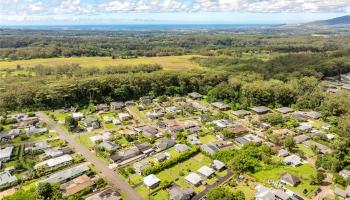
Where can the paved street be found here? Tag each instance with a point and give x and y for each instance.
(102, 167)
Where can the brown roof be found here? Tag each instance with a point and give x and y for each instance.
(293, 180)
(239, 128)
(77, 185)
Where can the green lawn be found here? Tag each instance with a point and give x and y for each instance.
(306, 150)
(85, 140)
(139, 115)
(40, 137)
(304, 172)
(208, 138)
(173, 174)
(167, 62)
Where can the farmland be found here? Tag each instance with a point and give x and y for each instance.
(166, 62)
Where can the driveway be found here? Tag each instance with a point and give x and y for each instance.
(102, 167)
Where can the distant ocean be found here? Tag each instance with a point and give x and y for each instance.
(148, 27)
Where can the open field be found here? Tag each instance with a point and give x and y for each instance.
(168, 62)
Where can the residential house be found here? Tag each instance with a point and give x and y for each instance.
(125, 154)
(5, 154)
(289, 179)
(154, 115)
(165, 143)
(142, 107)
(199, 106)
(260, 110)
(195, 95)
(151, 181)
(39, 146)
(146, 99)
(345, 173)
(108, 146)
(32, 130)
(181, 148)
(238, 129)
(52, 153)
(341, 193)
(67, 174)
(6, 136)
(283, 153)
(106, 136)
(160, 157)
(220, 106)
(194, 179)
(206, 171)
(282, 133)
(140, 166)
(124, 116)
(304, 127)
(301, 138)
(117, 105)
(209, 148)
(108, 194)
(222, 123)
(173, 126)
(149, 131)
(102, 107)
(53, 162)
(293, 160)
(76, 185)
(193, 139)
(241, 113)
(28, 121)
(177, 193)
(252, 138)
(218, 165)
(313, 114)
(77, 115)
(6, 178)
(300, 116)
(172, 109)
(265, 193)
(129, 103)
(284, 110)
(144, 147)
(91, 122)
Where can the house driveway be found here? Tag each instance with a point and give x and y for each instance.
(110, 175)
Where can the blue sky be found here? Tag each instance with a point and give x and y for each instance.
(56, 12)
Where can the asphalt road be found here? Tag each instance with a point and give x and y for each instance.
(102, 167)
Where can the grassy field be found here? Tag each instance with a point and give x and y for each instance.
(304, 172)
(168, 62)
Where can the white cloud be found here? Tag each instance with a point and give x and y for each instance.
(37, 6)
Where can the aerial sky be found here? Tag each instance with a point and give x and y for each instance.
(76, 12)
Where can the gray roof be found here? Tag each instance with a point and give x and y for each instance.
(181, 147)
(6, 178)
(177, 193)
(217, 164)
(195, 95)
(6, 153)
(64, 175)
(260, 109)
(340, 192)
(284, 110)
(240, 112)
(109, 146)
(165, 143)
(209, 148)
(220, 105)
(301, 138)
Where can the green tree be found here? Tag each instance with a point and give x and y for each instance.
(289, 143)
(224, 193)
(48, 191)
(71, 123)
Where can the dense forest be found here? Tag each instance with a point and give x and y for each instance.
(28, 44)
(242, 70)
